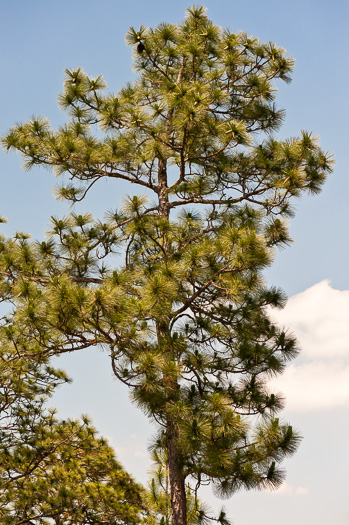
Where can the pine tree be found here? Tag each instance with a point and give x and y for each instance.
(184, 318)
(54, 471)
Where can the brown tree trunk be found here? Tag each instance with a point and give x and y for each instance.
(162, 189)
(177, 480)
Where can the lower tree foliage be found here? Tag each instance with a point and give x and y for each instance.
(184, 317)
(54, 471)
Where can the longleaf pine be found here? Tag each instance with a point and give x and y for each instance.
(184, 317)
(53, 471)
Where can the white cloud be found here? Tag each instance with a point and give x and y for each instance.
(284, 489)
(287, 489)
(315, 385)
(319, 318)
(302, 491)
(140, 453)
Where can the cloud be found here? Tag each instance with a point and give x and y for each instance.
(314, 386)
(140, 453)
(302, 491)
(319, 379)
(133, 449)
(319, 317)
(287, 489)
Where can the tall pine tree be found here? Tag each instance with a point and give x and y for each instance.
(184, 317)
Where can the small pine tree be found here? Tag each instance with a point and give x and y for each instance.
(54, 471)
(184, 317)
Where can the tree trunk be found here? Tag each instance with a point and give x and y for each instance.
(177, 480)
(162, 189)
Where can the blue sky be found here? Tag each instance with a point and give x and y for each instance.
(38, 40)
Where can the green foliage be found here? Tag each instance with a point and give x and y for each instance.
(184, 318)
(159, 497)
(52, 470)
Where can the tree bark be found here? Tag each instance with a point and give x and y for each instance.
(162, 189)
(175, 468)
(177, 479)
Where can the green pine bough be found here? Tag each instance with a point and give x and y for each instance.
(184, 317)
(54, 471)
